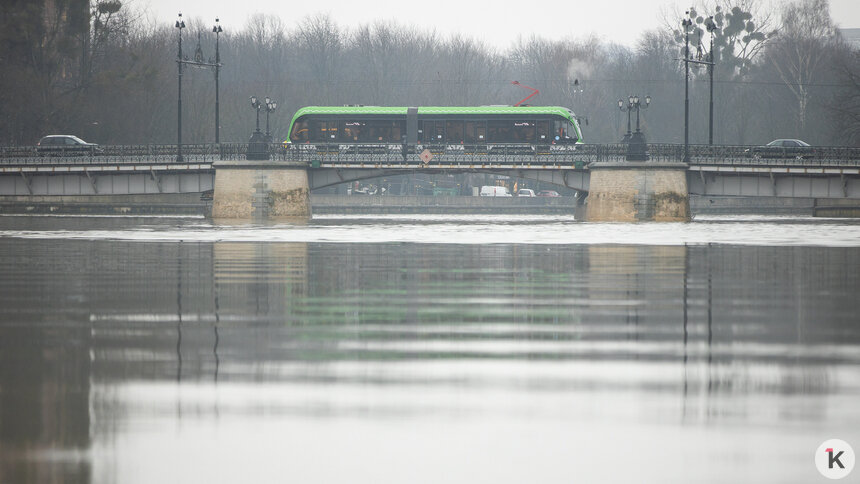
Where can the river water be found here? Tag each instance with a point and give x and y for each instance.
(426, 349)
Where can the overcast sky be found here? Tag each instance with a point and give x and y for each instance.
(499, 24)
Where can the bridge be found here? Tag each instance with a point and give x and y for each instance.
(827, 173)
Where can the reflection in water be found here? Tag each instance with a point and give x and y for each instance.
(114, 353)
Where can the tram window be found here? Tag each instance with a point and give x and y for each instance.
(454, 131)
(542, 128)
(434, 132)
(300, 131)
(321, 130)
(318, 130)
(523, 132)
(390, 131)
(352, 131)
(481, 132)
(382, 131)
(574, 137)
(398, 132)
(560, 131)
(499, 131)
(469, 135)
(439, 134)
(313, 129)
(425, 131)
(375, 131)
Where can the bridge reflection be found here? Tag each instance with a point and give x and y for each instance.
(89, 349)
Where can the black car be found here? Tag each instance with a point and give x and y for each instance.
(783, 148)
(66, 145)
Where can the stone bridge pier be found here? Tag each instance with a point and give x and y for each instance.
(638, 191)
(248, 189)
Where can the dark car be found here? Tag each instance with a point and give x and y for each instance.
(782, 148)
(65, 144)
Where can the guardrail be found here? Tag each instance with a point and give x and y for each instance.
(569, 154)
(442, 154)
(513, 154)
(122, 154)
(757, 155)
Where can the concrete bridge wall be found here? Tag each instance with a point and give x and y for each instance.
(807, 182)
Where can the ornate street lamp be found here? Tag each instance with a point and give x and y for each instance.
(639, 106)
(711, 27)
(628, 106)
(258, 147)
(270, 107)
(624, 106)
(180, 24)
(198, 62)
(256, 104)
(637, 149)
(217, 30)
(687, 23)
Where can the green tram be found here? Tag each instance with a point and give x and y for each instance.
(407, 127)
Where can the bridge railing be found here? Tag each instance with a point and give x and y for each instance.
(122, 154)
(568, 154)
(457, 154)
(758, 155)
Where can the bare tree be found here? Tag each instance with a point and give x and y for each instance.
(320, 46)
(846, 103)
(805, 42)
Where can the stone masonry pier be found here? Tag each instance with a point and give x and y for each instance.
(638, 191)
(260, 189)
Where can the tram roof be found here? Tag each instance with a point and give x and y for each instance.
(486, 110)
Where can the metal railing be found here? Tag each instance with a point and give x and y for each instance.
(344, 154)
(121, 154)
(568, 154)
(442, 155)
(766, 156)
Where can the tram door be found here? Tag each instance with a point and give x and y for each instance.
(412, 126)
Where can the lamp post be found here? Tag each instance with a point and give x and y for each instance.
(197, 62)
(180, 24)
(637, 149)
(256, 104)
(270, 107)
(257, 145)
(639, 106)
(576, 92)
(711, 26)
(687, 23)
(217, 30)
(628, 106)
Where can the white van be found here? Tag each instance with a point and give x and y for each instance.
(491, 191)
